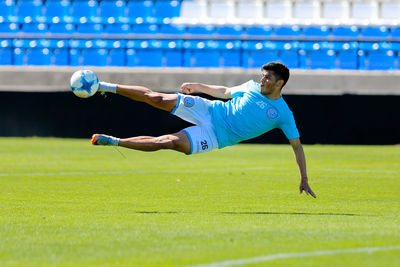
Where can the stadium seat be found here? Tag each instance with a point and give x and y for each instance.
(173, 56)
(9, 28)
(279, 11)
(345, 32)
(316, 32)
(172, 29)
(144, 53)
(229, 30)
(287, 31)
(221, 11)
(192, 12)
(7, 11)
(167, 9)
(199, 53)
(61, 28)
(347, 55)
(94, 53)
(57, 11)
(145, 28)
(206, 30)
(375, 33)
(117, 28)
(250, 12)
(364, 12)
(306, 11)
(84, 11)
(395, 33)
(378, 56)
(112, 11)
(319, 55)
(334, 11)
(289, 53)
(89, 28)
(256, 53)
(230, 52)
(116, 55)
(390, 12)
(34, 28)
(5, 52)
(30, 11)
(37, 52)
(261, 31)
(142, 9)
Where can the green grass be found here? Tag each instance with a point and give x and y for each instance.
(64, 202)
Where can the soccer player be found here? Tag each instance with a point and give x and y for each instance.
(253, 109)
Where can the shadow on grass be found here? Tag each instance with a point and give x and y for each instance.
(257, 213)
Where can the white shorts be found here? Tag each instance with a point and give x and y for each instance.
(196, 110)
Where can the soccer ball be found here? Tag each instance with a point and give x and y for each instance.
(84, 83)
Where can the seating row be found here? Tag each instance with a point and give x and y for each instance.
(201, 53)
(235, 32)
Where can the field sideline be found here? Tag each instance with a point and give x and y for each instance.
(64, 202)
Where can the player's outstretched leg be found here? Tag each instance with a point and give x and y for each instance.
(139, 93)
(178, 141)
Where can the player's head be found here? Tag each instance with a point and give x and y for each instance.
(278, 70)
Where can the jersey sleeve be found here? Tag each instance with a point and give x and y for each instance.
(289, 127)
(239, 90)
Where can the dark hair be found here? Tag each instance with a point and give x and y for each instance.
(281, 72)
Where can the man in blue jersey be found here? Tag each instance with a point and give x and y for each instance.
(253, 109)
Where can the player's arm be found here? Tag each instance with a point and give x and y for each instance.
(217, 91)
(301, 162)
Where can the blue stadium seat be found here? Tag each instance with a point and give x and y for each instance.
(60, 52)
(7, 11)
(229, 30)
(56, 11)
(257, 53)
(171, 29)
(262, 31)
(319, 55)
(145, 28)
(117, 28)
(95, 53)
(395, 33)
(83, 11)
(201, 53)
(230, 52)
(61, 28)
(173, 55)
(34, 28)
(347, 55)
(9, 28)
(167, 9)
(375, 33)
(287, 31)
(288, 53)
(313, 32)
(28, 11)
(5, 52)
(140, 9)
(112, 11)
(116, 55)
(37, 52)
(377, 55)
(201, 30)
(89, 28)
(144, 53)
(345, 32)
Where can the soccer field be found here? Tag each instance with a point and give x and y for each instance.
(65, 202)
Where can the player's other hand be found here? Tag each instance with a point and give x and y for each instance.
(304, 186)
(188, 88)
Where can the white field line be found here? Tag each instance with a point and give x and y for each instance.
(279, 256)
(181, 171)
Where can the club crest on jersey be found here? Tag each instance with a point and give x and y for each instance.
(272, 113)
(188, 101)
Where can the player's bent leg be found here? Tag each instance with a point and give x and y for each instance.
(139, 93)
(178, 142)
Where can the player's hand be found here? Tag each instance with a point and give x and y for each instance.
(188, 88)
(304, 186)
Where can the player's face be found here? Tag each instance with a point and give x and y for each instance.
(268, 82)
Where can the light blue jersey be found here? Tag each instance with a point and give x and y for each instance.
(250, 114)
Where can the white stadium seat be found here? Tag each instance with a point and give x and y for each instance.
(307, 11)
(279, 11)
(390, 12)
(221, 11)
(192, 12)
(335, 12)
(364, 12)
(250, 11)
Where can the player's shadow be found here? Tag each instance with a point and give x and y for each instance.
(257, 213)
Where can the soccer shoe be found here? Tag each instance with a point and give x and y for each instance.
(104, 140)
